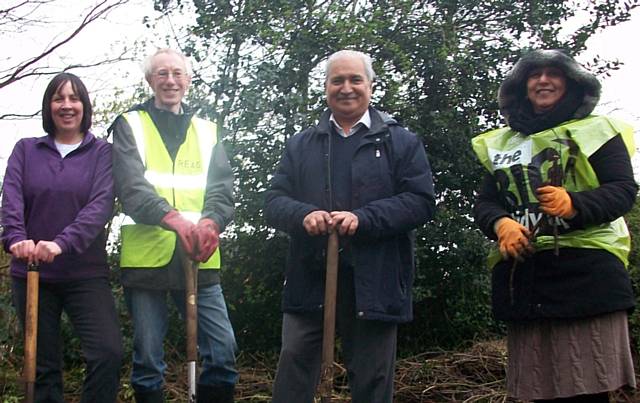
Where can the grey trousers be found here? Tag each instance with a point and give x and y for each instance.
(368, 347)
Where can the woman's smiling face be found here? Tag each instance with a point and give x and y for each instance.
(545, 88)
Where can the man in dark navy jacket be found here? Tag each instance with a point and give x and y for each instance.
(360, 173)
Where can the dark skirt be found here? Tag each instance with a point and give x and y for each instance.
(551, 359)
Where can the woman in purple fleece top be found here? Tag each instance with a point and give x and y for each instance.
(57, 198)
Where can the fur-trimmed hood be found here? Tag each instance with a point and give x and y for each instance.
(513, 91)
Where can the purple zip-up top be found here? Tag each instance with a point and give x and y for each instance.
(66, 200)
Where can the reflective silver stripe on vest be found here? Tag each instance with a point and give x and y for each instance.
(175, 181)
(189, 215)
(135, 122)
(205, 142)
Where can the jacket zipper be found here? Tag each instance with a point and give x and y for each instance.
(329, 171)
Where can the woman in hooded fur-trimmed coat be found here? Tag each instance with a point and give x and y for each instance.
(557, 184)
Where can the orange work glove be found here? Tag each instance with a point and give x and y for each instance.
(555, 201)
(513, 238)
(184, 228)
(208, 237)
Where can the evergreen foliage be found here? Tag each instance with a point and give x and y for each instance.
(439, 65)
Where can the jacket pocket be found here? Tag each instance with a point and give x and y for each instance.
(393, 279)
(303, 283)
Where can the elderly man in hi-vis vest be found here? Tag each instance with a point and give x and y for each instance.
(174, 182)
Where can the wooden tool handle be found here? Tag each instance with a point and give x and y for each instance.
(31, 332)
(329, 329)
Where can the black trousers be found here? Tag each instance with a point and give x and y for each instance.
(90, 306)
(369, 350)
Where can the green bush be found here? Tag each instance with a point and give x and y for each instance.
(252, 275)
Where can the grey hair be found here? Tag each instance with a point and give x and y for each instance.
(366, 60)
(147, 64)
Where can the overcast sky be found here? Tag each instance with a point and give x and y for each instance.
(124, 26)
(620, 91)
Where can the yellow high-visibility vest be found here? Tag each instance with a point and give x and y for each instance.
(521, 163)
(182, 183)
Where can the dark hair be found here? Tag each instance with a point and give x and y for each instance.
(78, 88)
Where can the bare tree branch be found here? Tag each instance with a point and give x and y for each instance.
(27, 68)
(50, 71)
(7, 12)
(18, 16)
(19, 116)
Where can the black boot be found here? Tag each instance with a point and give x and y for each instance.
(215, 393)
(149, 396)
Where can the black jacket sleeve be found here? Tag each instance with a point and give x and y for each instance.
(138, 197)
(487, 208)
(617, 191)
(282, 210)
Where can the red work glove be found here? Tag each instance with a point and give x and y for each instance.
(208, 237)
(513, 238)
(555, 201)
(184, 228)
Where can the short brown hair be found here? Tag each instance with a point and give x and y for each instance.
(78, 88)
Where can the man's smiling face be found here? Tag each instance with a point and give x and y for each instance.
(169, 81)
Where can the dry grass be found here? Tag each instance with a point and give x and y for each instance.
(474, 375)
